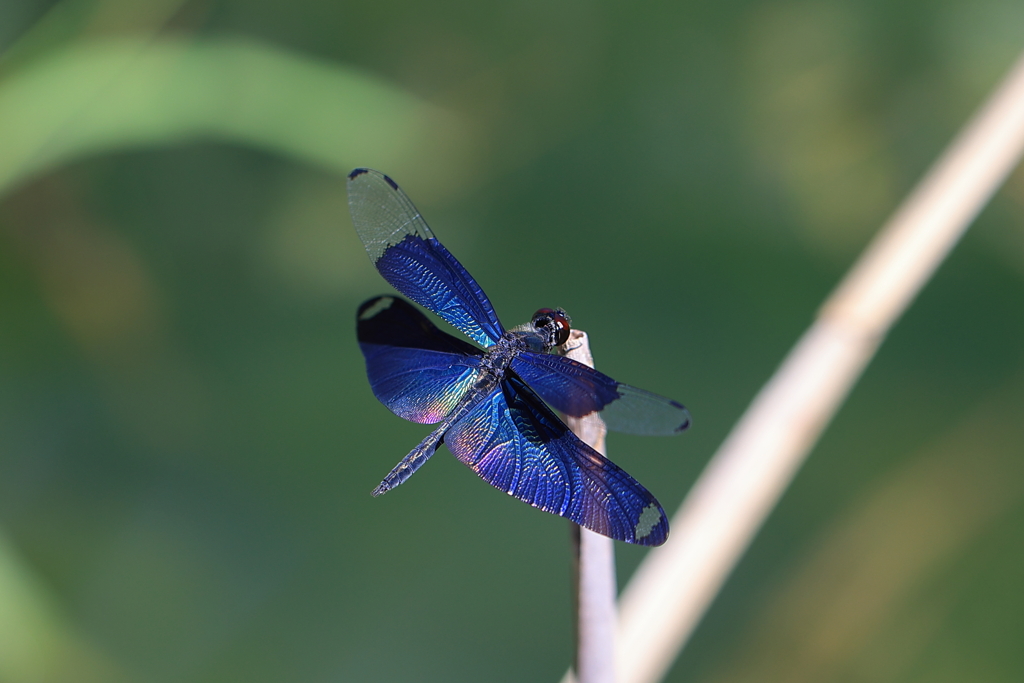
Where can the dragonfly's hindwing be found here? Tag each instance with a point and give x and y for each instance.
(515, 443)
(577, 390)
(416, 370)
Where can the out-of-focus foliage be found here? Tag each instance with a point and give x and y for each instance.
(187, 438)
(111, 94)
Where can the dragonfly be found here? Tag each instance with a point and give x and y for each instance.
(494, 402)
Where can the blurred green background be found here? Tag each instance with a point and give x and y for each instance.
(187, 437)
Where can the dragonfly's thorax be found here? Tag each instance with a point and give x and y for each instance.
(501, 354)
(548, 329)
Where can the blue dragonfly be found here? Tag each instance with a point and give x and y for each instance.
(491, 404)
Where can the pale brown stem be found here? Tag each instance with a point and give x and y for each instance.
(595, 560)
(674, 585)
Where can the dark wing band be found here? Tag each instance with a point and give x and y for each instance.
(416, 370)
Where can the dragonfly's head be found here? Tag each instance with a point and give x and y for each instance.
(548, 328)
(552, 325)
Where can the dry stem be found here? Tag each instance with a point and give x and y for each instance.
(670, 591)
(595, 559)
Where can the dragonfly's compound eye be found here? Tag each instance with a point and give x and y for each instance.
(555, 322)
(562, 328)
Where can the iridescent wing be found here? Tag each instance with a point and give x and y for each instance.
(515, 443)
(575, 389)
(416, 370)
(408, 255)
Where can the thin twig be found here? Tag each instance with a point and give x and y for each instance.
(672, 588)
(595, 558)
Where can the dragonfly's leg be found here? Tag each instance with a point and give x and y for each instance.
(411, 462)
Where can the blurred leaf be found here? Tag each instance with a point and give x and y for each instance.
(35, 642)
(126, 93)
